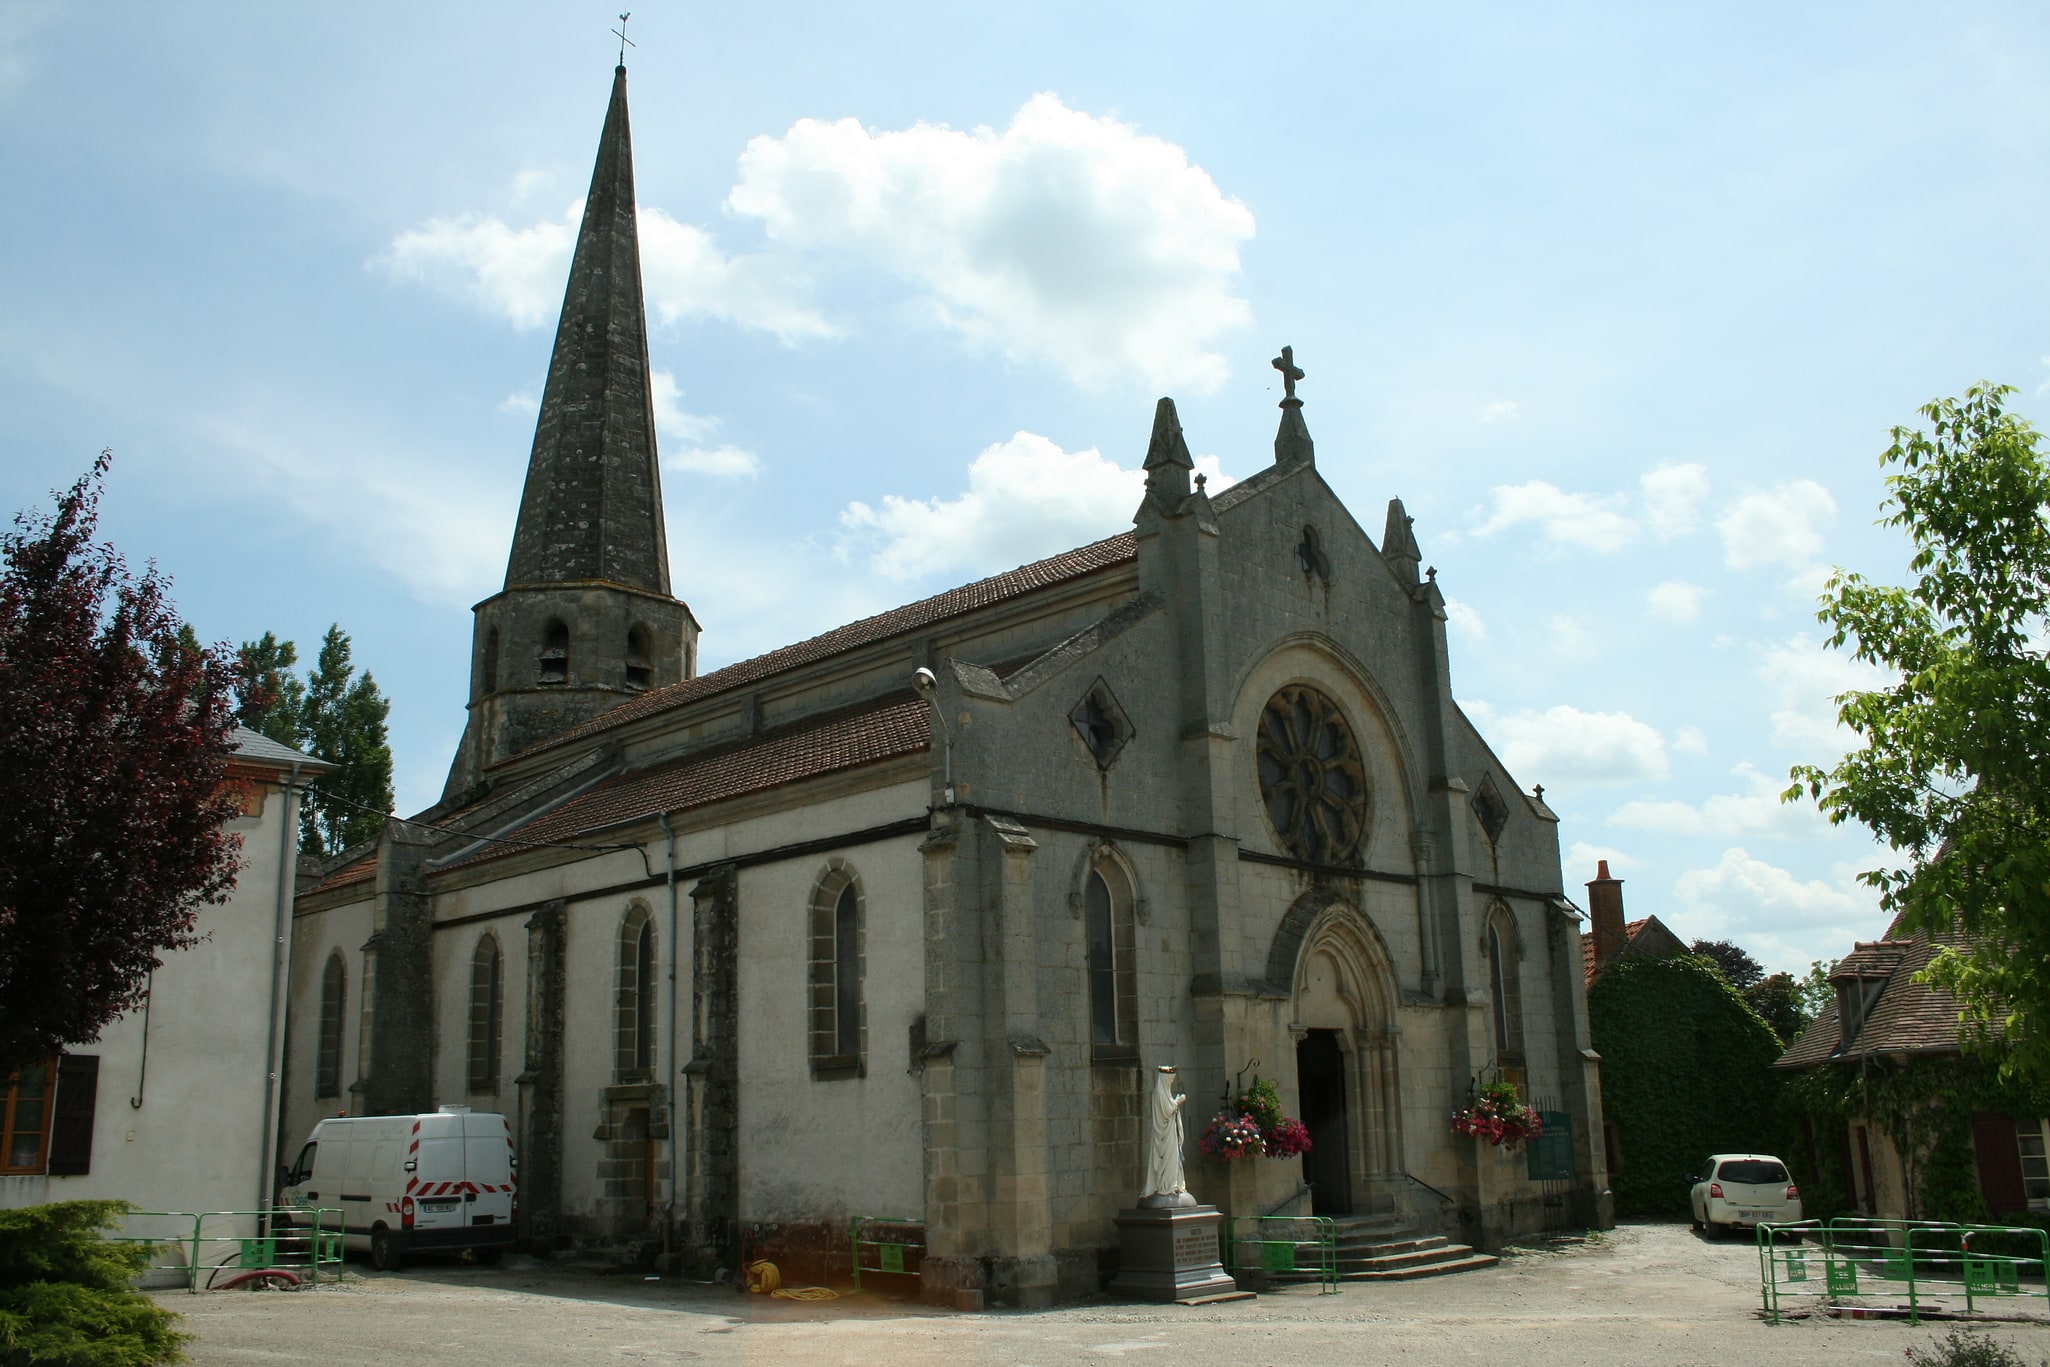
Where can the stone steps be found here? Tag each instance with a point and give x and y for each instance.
(1379, 1249)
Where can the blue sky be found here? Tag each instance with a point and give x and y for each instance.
(1621, 301)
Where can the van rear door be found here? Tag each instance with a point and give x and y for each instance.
(488, 1169)
(437, 1185)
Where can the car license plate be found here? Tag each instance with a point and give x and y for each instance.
(1757, 1214)
(438, 1207)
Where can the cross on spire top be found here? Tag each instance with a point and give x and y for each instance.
(624, 41)
(1290, 373)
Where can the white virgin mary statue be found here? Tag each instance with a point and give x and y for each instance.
(1165, 1184)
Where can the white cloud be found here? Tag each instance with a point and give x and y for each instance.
(1741, 890)
(1690, 740)
(1564, 744)
(683, 437)
(518, 273)
(1066, 238)
(1570, 636)
(1462, 618)
(419, 519)
(1728, 816)
(1673, 495)
(1501, 410)
(1026, 499)
(1781, 528)
(1802, 678)
(521, 403)
(1676, 600)
(1584, 858)
(1581, 520)
(1605, 523)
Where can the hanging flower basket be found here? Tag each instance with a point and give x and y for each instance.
(1232, 1136)
(1498, 1115)
(1253, 1126)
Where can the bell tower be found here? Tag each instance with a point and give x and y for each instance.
(586, 618)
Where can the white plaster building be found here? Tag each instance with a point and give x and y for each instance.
(175, 1106)
(748, 953)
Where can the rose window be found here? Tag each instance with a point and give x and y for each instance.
(1312, 778)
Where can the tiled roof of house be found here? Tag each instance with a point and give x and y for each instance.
(1909, 1017)
(1074, 564)
(360, 871)
(1587, 959)
(897, 725)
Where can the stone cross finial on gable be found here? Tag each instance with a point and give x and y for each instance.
(1290, 372)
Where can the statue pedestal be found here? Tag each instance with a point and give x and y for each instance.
(1170, 1254)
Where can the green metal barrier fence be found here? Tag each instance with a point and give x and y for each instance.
(885, 1243)
(1934, 1264)
(1286, 1244)
(206, 1250)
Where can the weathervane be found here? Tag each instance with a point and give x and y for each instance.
(624, 41)
(1290, 372)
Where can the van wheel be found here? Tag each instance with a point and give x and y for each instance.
(387, 1249)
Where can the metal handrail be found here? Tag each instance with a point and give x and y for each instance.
(1302, 1189)
(1428, 1187)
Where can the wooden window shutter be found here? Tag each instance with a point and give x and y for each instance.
(71, 1122)
(2000, 1163)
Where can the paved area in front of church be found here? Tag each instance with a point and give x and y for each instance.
(1642, 1294)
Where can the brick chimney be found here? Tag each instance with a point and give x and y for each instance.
(1605, 913)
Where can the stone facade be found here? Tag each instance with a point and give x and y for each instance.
(892, 922)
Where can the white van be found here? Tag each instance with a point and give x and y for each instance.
(410, 1183)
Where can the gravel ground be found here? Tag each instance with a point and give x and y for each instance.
(1641, 1294)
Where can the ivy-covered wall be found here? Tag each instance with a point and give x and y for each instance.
(1924, 1106)
(1686, 1072)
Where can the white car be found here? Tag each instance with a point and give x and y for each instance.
(1738, 1190)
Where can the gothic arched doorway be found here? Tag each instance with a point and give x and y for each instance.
(1342, 995)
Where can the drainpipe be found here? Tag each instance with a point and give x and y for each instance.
(280, 966)
(669, 1082)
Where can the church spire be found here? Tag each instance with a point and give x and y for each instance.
(592, 509)
(586, 617)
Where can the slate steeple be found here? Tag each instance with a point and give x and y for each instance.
(586, 617)
(593, 502)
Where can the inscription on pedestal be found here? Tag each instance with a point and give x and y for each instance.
(1195, 1247)
(1170, 1254)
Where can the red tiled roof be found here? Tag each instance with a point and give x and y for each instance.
(900, 725)
(359, 871)
(1074, 564)
(1587, 962)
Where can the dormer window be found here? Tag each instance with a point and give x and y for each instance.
(640, 669)
(555, 654)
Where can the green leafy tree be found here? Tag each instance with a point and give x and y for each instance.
(1777, 1000)
(344, 719)
(1813, 989)
(1951, 769)
(334, 715)
(269, 699)
(1739, 967)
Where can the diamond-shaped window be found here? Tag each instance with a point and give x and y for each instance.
(1489, 809)
(1101, 723)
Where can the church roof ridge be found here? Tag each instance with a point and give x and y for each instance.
(1076, 563)
(863, 733)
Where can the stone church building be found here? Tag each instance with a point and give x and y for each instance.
(894, 921)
